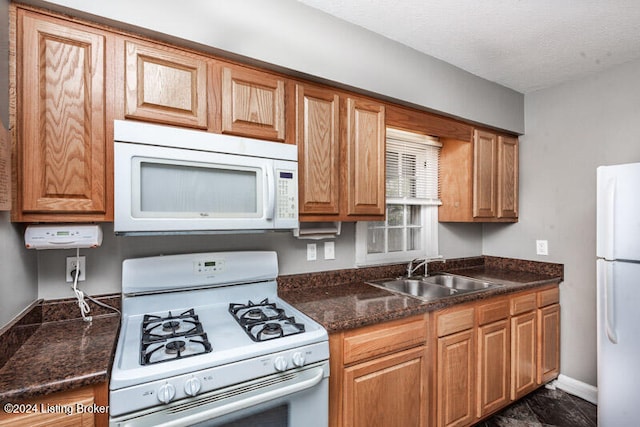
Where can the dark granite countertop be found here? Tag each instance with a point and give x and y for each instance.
(354, 304)
(57, 355)
(48, 350)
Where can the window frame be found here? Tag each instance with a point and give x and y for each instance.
(428, 216)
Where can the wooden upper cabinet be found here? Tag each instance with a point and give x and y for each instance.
(485, 151)
(365, 157)
(165, 85)
(507, 177)
(318, 140)
(252, 103)
(63, 151)
(479, 179)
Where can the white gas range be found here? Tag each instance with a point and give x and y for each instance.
(205, 340)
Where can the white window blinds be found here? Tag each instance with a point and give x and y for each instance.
(412, 168)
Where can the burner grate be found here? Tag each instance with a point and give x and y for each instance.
(264, 321)
(172, 337)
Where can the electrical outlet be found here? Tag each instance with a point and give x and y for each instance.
(329, 250)
(71, 265)
(542, 247)
(312, 250)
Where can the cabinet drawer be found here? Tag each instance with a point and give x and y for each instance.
(523, 303)
(488, 313)
(386, 338)
(455, 321)
(548, 297)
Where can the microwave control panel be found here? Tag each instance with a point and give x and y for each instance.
(287, 194)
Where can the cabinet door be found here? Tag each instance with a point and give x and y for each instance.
(493, 367)
(507, 177)
(318, 137)
(253, 103)
(484, 174)
(165, 85)
(455, 382)
(365, 158)
(388, 391)
(44, 417)
(548, 343)
(63, 151)
(523, 354)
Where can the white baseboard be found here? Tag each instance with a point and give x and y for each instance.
(577, 388)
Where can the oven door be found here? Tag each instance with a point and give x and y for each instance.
(290, 399)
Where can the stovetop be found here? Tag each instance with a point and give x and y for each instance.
(197, 323)
(226, 338)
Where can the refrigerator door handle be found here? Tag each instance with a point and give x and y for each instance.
(611, 333)
(609, 219)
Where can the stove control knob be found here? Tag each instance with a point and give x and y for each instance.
(192, 386)
(298, 359)
(166, 393)
(280, 364)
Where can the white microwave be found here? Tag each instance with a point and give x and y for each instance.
(171, 180)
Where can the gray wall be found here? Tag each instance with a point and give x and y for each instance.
(294, 36)
(104, 263)
(18, 281)
(570, 130)
(18, 277)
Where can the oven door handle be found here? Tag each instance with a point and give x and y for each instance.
(316, 376)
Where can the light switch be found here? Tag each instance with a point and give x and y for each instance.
(329, 250)
(542, 247)
(311, 251)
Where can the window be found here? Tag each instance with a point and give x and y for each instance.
(411, 226)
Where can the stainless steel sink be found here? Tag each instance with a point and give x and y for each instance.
(430, 288)
(417, 288)
(461, 283)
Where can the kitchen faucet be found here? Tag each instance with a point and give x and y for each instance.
(421, 262)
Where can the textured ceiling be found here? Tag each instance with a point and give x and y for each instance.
(525, 45)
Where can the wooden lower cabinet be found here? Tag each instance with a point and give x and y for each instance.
(387, 391)
(85, 407)
(456, 379)
(549, 339)
(452, 367)
(380, 375)
(523, 354)
(493, 367)
(493, 352)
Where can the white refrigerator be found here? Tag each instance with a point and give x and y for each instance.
(618, 299)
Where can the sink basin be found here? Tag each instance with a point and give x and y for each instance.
(461, 283)
(430, 288)
(417, 288)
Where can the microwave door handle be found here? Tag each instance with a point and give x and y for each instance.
(271, 202)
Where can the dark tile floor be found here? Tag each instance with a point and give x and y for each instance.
(546, 408)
